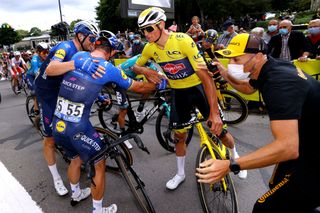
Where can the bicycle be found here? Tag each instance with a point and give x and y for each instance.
(221, 196)
(112, 151)
(230, 104)
(108, 116)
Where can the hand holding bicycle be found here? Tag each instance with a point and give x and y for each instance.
(90, 66)
(153, 76)
(216, 124)
(212, 171)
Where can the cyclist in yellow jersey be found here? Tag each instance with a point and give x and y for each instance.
(188, 77)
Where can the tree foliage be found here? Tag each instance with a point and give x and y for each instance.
(22, 33)
(35, 31)
(8, 35)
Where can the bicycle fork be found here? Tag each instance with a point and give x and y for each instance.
(210, 144)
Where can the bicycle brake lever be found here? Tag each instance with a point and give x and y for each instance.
(140, 144)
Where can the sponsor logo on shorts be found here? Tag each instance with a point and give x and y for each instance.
(90, 142)
(61, 126)
(78, 136)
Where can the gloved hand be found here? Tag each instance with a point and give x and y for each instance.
(86, 65)
(162, 85)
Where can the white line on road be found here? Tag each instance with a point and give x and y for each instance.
(13, 197)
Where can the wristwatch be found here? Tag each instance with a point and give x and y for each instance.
(234, 166)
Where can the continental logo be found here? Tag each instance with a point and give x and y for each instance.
(61, 53)
(273, 190)
(234, 43)
(61, 126)
(301, 74)
(124, 76)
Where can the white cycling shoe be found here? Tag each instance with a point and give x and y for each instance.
(60, 188)
(174, 182)
(110, 209)
(243, 173)
(83, 195)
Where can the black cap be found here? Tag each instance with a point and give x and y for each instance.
(227, 24)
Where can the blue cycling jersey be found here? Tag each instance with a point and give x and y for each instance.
(35, 65)
(61, 52)
(79, 90)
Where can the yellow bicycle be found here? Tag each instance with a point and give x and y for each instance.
(221, 196)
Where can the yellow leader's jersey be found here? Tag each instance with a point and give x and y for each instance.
(179, 60)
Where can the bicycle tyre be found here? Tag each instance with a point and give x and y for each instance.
(30, 109)
(162, 123)
(135, 184)
(236, 108)
(121, 147)
(221, 201)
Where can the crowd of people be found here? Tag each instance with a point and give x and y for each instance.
(72, 73)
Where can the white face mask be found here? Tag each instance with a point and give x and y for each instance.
(236, 70)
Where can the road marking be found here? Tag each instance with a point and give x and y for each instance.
(13, 196)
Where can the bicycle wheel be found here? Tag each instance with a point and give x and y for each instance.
(213, 197)
(107, 135)
(165, 134)
(135, 184)
(14, 87)
(30, 108)
(235, 108)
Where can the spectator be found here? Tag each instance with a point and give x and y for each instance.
(314, 38)
(195, 30)
(289, 45)
(258, 31)
(127, 50)
(272, 30)
(228, 33)
(173, 27)
(241, 30)
(137, 45)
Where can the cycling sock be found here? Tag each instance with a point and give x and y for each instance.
(180, 164)
(75, 188)
(54, 172)
(97, 206)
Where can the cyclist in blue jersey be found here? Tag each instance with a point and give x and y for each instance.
(72, 128)
(42, 51)
(48, 83)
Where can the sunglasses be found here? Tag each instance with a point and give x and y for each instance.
(92, 39)
(149, 29)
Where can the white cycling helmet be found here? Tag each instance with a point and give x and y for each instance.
(17, 53)
(42, 46)
(150, 16)
(86, 28)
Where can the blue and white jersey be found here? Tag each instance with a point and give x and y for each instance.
(35, 65)
(61, 52)
(79, 90)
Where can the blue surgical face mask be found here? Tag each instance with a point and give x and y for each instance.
(226, 32)
(314, 30)
(136, 41)
(283, 31)
(272, 28)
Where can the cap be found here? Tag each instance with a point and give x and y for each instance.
(227, 24)
(242, 44)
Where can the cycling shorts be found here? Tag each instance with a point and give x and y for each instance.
(77, 139)
(184, 101)
(122, 98)
(17, 71)
(47, 100)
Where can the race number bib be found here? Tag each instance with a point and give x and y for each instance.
(69, 111)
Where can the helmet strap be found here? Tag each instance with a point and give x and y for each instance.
(81, 42)
(159, 35)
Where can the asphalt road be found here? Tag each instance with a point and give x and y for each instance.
(21, 153)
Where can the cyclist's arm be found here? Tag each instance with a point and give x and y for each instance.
(242, 86)
(142, 87)
(151, 75)
(284, 147)
(24, 65)
(56, 68)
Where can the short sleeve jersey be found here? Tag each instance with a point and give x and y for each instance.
(17, 63)
(61, 52)
(79, 90)
(179, 60)
(289, 93)
(35, 65)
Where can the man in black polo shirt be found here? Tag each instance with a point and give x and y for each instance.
(292, 99)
